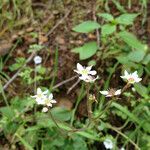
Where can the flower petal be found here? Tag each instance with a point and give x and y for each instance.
(126, 73)
(79, 67)
(39, 91)
(134, 74)
(118, 92)
(45, 92)
(138, 79)
(104, 92)
(53, 101)
(50, 96)
(89, 68)
(93, 72)
(45, 109)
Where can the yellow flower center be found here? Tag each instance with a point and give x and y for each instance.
(85, 72)
(47, 101)
(131, 80)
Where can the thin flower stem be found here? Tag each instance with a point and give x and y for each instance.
(35, 74)
(53, 119)
(105, 109)
(35, 85)
(3, 94)
(89, 109)
(125, 87)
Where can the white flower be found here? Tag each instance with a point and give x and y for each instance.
(122, 148)
(111, 92)
(48, 101)
(37, 60)
(86, 74)
(108, 144)
(131, 77)
(45, 109)
(40, 96)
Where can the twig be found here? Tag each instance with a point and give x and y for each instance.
(72, 87)
(17, 73)
(64, 82)
(59, 22)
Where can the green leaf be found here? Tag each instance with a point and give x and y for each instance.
(8, 112)
(142, 90)
(61, 113)
(87, 50)
(132, 117)
(132, 41)
(106, 16)
(126, 19)
(108, 29)
(86, 27)
(136, 56)
(27, 145)
(146, 59)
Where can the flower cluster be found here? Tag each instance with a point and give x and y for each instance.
(45, 99)
(131, 78)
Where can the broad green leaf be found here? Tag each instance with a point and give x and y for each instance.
(86, 27)
(87, 50)
(132, 41)
(61, 113)
(7, 112)
(106, 16)
(108, 29)
(142, 90)
(146, 59)
(136, 55)
(126, 19)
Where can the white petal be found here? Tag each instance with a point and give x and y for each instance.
(39, 91)
(118, 92)
(45, 92)
(134, 74)
(53, 101)
(83, 77)
(123, 77)
(138, 79)
(109, 95)
(45, 109)
(50, 96)
(126, 73)
(88, 68)
(79, 67)
(77, 71)
(104, 92)
(35, 96)
(93, 72)
(49, 104)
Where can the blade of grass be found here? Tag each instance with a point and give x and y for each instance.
(24, 142)
(81, 95)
